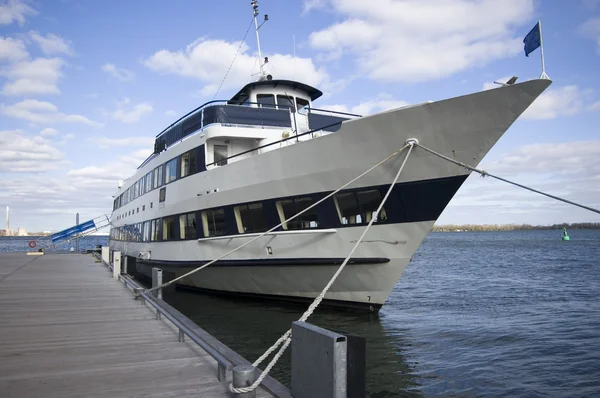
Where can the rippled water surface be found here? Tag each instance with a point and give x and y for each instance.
(20, 243)
(475, 314)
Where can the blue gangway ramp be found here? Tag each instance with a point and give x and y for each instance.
(71, 232)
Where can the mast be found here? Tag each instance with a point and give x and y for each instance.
(254, 4)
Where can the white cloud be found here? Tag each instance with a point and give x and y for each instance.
(15, 11)
(106, 143)
(118, 73)
(412, 40)
(48, 132)
(131, 114)
(39, 76)
(561, 101)
(310, 5)
(568, 169)
(383, 102)
(42, 112)
(12, 49)
(170, 113)
(591, 29)
(208, 60)
(595, 106)
(52, 44)
(22, 153)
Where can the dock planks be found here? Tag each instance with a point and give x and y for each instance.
(67, 329)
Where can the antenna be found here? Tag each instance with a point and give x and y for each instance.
(254, 4)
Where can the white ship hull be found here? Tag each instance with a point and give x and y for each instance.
(301, 262)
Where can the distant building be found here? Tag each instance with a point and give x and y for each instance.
(2, 232)
(21, 232)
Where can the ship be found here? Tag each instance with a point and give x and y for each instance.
(230, 170)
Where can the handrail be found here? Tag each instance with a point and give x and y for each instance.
(336, 112)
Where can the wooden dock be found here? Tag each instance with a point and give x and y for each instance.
(67, 329)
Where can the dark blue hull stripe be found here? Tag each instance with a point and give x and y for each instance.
(265, 262)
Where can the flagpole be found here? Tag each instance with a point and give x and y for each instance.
(544, 75)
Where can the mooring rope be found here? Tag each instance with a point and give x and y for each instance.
(484, 173)
(285, 338)
(278, 225)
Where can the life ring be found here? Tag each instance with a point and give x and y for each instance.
(32, 244)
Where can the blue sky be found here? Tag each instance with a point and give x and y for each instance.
(85, 86)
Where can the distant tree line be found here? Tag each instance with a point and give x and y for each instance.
(513, 227)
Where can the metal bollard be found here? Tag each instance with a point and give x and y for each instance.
(157, 280)
(181, 336)
(116, 265)
(244, 376)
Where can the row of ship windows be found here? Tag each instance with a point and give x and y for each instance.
(356, 207)
(181, 166)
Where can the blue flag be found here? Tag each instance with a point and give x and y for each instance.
(532, 40)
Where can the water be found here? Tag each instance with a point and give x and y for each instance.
(475, 314)
(20, 243)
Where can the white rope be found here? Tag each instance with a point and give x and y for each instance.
(286, 339)
(486, 174)
(277, 226)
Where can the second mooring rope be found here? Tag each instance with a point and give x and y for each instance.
(286, 337)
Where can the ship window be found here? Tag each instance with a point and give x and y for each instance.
(251, 218)
(155, 230)
(135, 190)
(266, 100)
(146, 231)
(158, 176)
(168, 231)
(290, 207)
(286, 102)
(171, 171)
(142, 187)
(188, 163)
(162, 195)
(220, 155)
(301, 103)
(359, 207)
(187, 226)
(213, 222)
(149, 182)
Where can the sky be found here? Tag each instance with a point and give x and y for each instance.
(86, 86)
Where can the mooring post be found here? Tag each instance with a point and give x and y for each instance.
(125, 258)
(116, 265)
(157, 281)
(244, 376)
(105, 254)
(77, 239)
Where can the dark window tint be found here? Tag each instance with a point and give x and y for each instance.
(188, 163)
(359, 207)
(290, 207)
(214, 222)
(187, 226)
(251, 218)
(158, 176)
(302, 103)
(162, 195)
(168, 231)
(285, 102)
(220, 155)
(171, 171)
(266, 100)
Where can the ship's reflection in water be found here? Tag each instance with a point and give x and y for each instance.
(251, 326)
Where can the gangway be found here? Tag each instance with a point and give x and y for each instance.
(78, 231)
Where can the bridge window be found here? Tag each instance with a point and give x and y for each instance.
(266, 100)
(168, 231)
(187, 226)
(251, 218)
(286, 102)
(301, 103)
(213, 222)
(290, 207)
(220, 154)
(171, 171)
(359, 207)
(188, 163)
